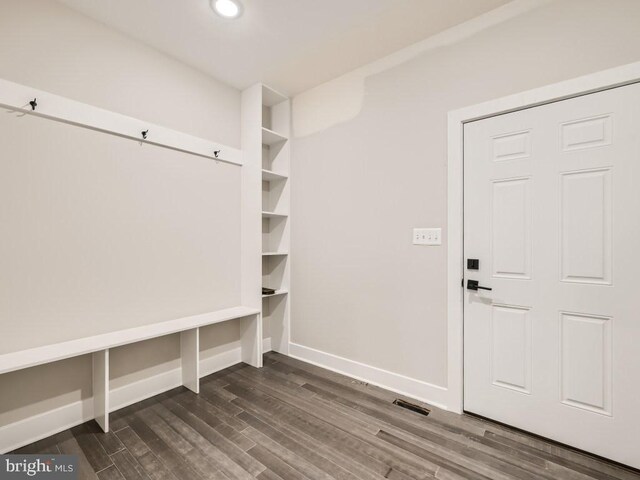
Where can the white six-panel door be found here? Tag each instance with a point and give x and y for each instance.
(552, 213)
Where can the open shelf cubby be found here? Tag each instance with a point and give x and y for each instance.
(275, 319)
(275, 158)
(273, 196)
(274, 272)
(274, 234)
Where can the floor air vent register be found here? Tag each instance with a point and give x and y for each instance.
(412, 406)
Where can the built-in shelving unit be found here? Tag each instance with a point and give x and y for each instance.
(100, 345)
(275, 214)
(266, 149)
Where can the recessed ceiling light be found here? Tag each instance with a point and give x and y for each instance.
(227, 8)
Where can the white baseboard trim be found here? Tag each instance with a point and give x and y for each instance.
(43, 425)
(266, 345)
(148, 387)
(410, 387)
(37, 427)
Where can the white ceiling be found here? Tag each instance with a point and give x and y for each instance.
(291, 45)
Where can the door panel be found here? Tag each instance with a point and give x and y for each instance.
(510, 229)
(586, 226)
(585, 355)
(511, 348)
(552, 210)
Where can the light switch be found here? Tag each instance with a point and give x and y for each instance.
(427, 236)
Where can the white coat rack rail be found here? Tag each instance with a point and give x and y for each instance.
(30, 101)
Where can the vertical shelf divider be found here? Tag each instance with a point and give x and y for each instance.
(190, 359)
(251, 340)
(101, 388)
(251, 225)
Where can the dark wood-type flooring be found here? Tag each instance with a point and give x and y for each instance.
(292, 420)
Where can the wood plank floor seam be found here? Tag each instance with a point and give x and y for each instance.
(296, 421)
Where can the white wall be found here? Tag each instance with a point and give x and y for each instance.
(369, 164)
(103, 234)
(48, 46)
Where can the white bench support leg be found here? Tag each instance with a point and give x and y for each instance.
(190, 353)
(101, 388)
(251, 340)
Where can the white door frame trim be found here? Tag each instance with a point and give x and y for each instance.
(591, 83)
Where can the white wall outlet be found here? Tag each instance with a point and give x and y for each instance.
(427, 236)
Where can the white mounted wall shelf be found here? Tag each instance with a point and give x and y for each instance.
(269, 176)
(269, 137)
(274, 215)
(32, 357)
(276, 294)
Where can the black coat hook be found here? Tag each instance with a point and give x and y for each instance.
(216, 153)
(33, 104)
(145, 133)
